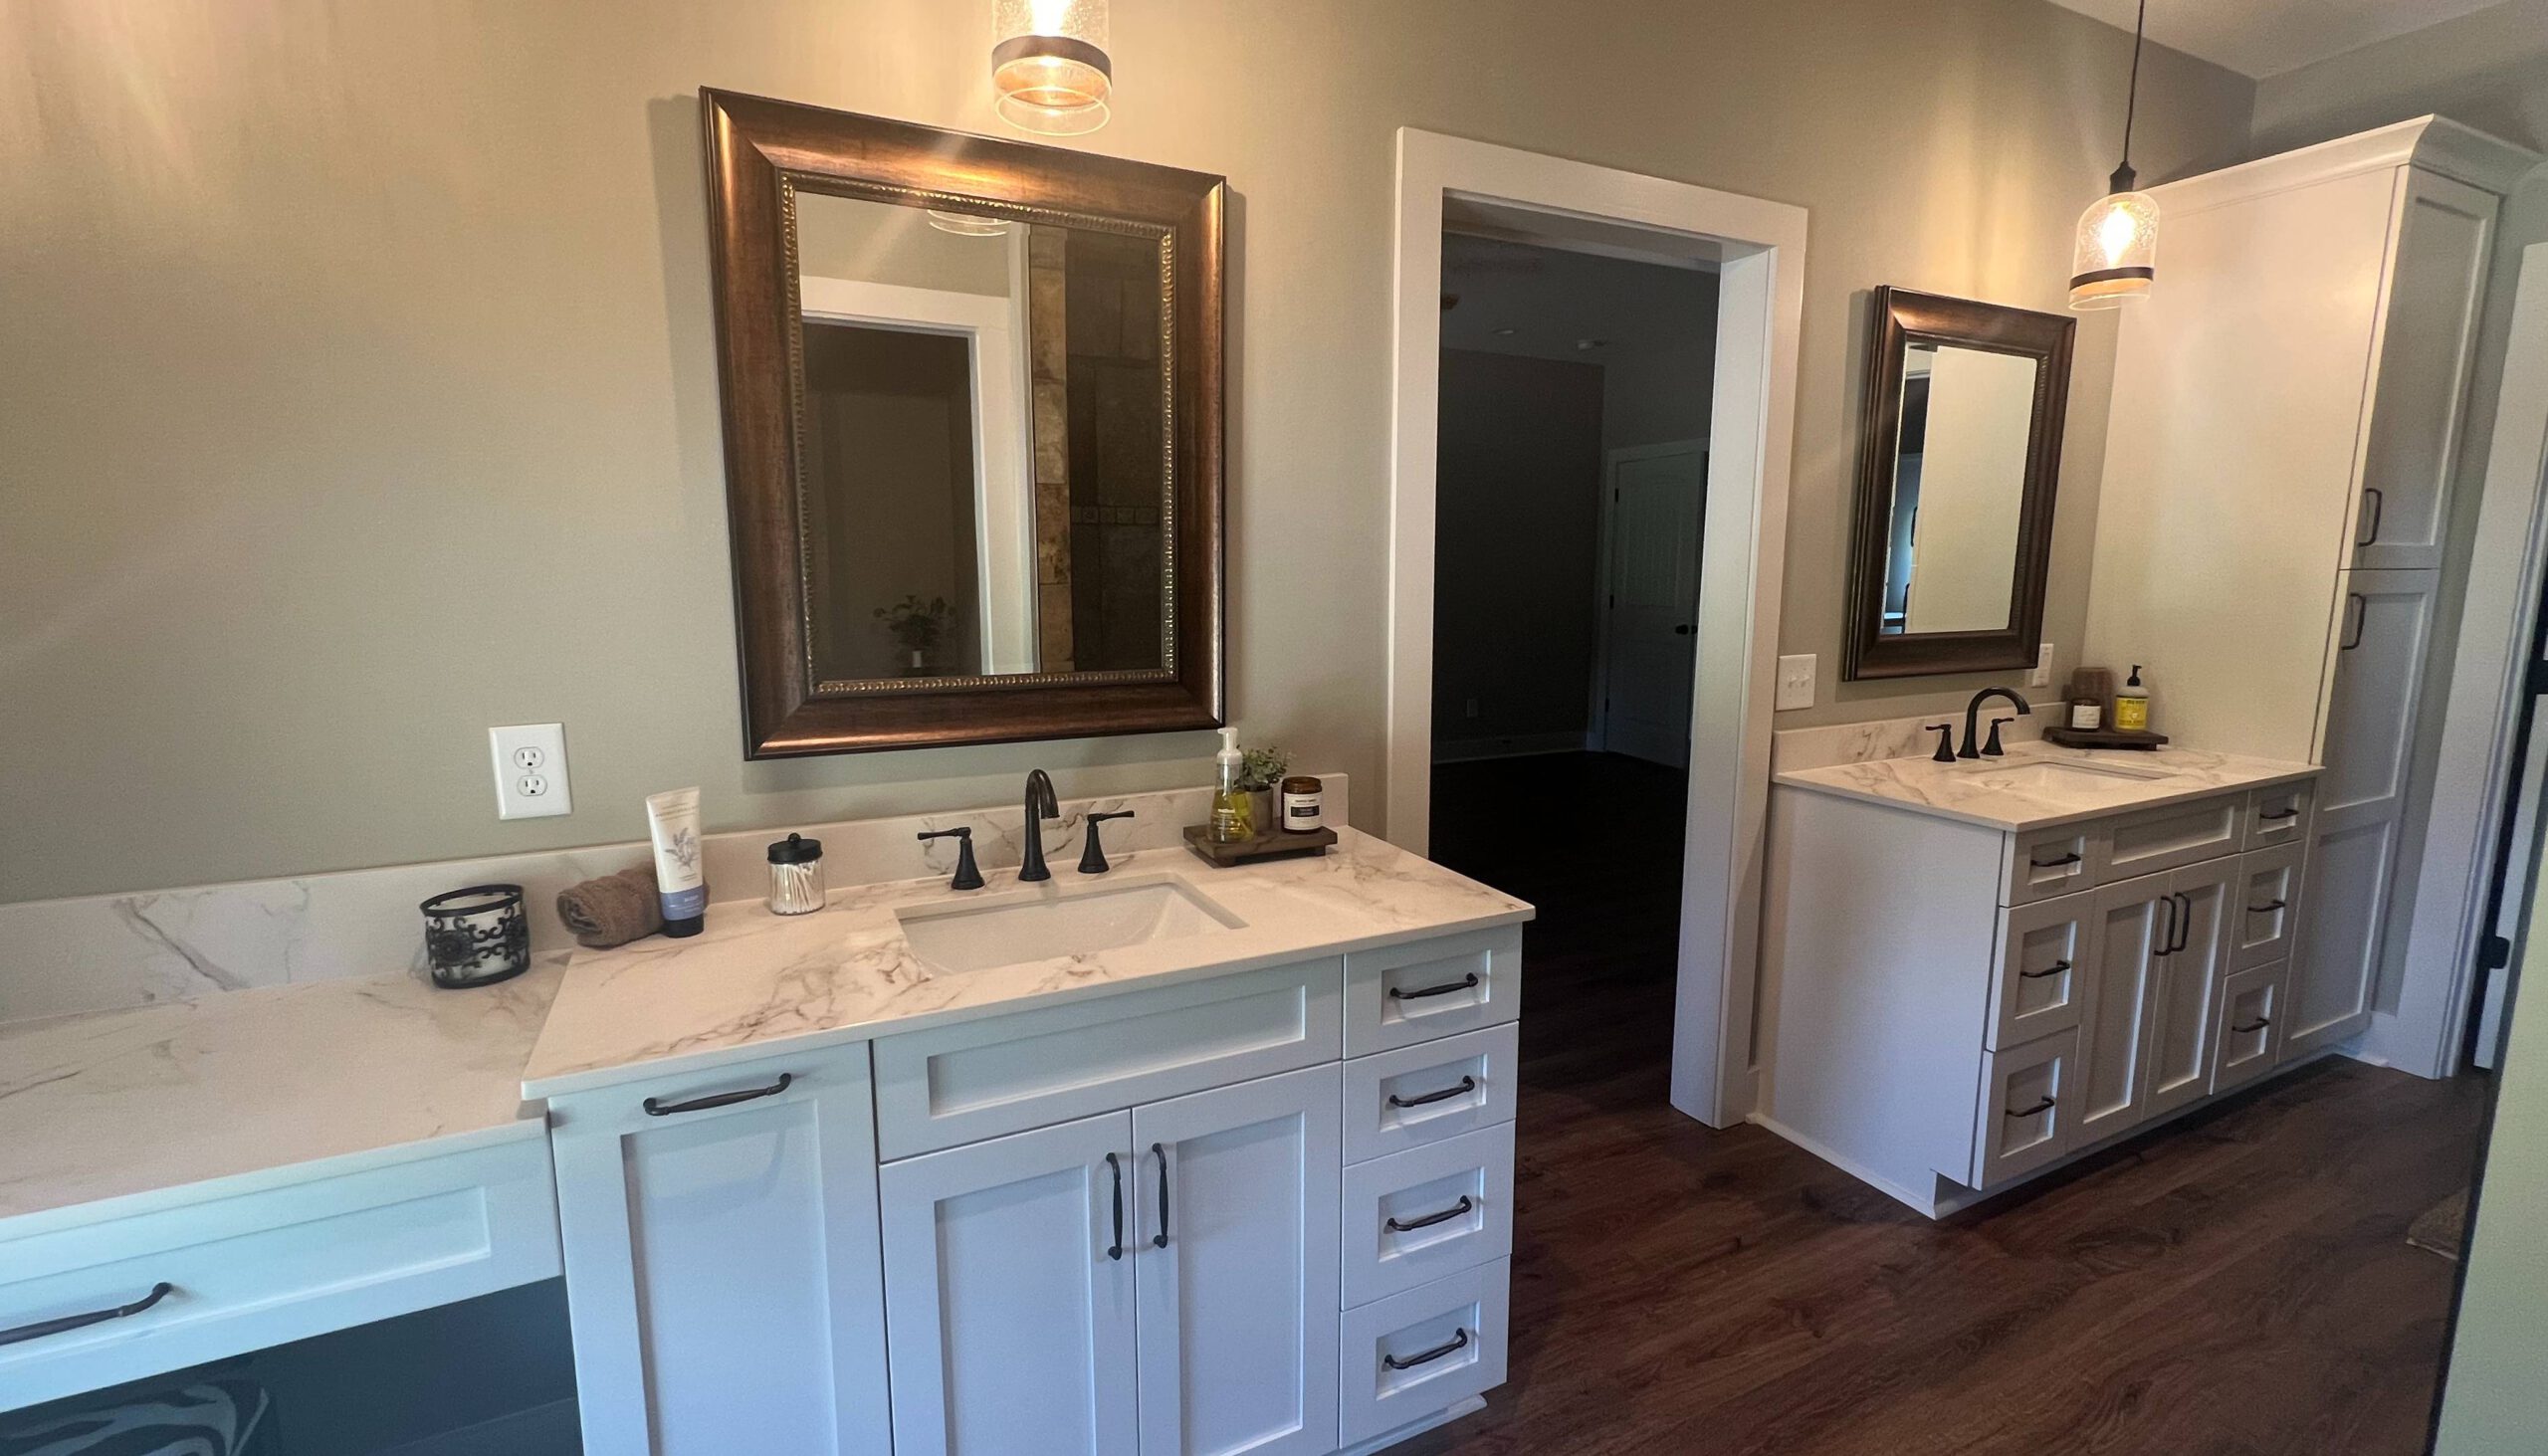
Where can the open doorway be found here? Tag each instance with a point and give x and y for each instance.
(1571, 494)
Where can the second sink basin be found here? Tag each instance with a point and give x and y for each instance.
(1046, 922)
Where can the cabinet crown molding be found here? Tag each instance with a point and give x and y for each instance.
(2434, 143)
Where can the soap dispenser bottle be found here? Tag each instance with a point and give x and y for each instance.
(2132, 705)
(1233, 808)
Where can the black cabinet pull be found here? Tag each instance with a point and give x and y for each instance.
(1115, 1166)
(1444, 989)
(2055, 968)
(2259, 1024)
(1430, 1219)
(2071, 858)
(42, 1328)
(656, 1109)
(1467, 1084)
(2045, 1106)
(1459, 1341)
(2276, 816)
(1159, 1240)
(2167, 927)
(2268, 908)
(2181, 923)
(2379, 503)
(2358, 616)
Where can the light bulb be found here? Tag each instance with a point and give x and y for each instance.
(2117, 253)
(1049, 64)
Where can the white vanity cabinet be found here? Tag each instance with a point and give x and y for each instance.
(1952, 1007)
(720, 1250)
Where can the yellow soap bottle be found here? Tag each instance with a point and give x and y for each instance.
(2132, 705)
(1233, 808)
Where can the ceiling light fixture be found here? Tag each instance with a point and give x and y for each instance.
(1049, 64)
(968, 223)
(2117, 252)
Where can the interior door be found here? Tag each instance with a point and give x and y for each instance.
(1650, 599)
(2188, 983)
(2352, 861)
(1237, 1245)
(2135, 921)
(1009, 1293)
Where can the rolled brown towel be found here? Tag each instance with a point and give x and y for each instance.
(613, 909)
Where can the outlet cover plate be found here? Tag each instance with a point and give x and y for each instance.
(1796, 682)
(2040, 675)
(531, 770)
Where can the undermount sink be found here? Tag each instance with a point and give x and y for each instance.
(2061, 772)
(1047, 922)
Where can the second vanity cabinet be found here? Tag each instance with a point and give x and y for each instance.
(1957, 1006)
(1262, 1212)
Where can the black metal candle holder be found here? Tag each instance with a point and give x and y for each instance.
(476, 936)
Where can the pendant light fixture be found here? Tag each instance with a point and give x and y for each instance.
(2117, 252)
(1049, 64)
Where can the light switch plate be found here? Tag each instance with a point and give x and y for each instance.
(1796, 682)
(2041, 676)
(531, 770)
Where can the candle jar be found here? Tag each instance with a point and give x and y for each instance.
(476, 936)
(795, 875)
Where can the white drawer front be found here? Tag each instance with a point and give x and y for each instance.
(259, 1269)
(1415, 1217)
(2044, 969)
(2246, 1039)
(1429, 1092)
(985, 1079)
(2028, 1108)
(2268, 909)
(2179, 834)
(2280, 815)
(1412, 1354)
(2045, 863)
(1404, 994)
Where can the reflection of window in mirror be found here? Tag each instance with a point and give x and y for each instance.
(1959, 490)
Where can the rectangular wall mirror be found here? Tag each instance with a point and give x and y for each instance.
(1960, 459)
(973, 433)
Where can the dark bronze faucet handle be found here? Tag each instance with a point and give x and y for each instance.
(1946, 740)
(1092, 857)
(1991, 749)
(968, 876)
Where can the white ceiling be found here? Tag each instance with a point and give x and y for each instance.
(2260, 38)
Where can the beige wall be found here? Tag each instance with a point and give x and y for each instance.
(359, 394)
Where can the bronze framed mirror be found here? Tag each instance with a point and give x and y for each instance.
(1960, 459)
(973, 413)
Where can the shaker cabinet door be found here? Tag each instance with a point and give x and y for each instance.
(2188, 981)
(2132, 923)
(1008, 1294)
(2444, 242)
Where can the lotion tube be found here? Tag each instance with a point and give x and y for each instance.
(681, 870)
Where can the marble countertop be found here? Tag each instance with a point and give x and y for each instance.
(753, 981)
(2027, 790)
(116, 1104)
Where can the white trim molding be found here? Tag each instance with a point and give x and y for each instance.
(1759, 249)
(2434, 143)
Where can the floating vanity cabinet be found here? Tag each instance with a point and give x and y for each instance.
(722, 1260)
(1954, 1006)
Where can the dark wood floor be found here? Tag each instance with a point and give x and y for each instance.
(2237, 1284)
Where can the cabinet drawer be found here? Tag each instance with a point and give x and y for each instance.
(2280, 815)
(1429, 1092)
(1416, 1216)
(2179, 834)
(2247, 1037)
(1404, 994)
(2044, 863)
(1412, 1354)
(2268, 906)
(2028, 1110)
(265, 1268)
(2043, 971)
(982, 1079)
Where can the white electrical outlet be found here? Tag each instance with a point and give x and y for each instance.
(1796, 682)
(2041, 674)
(531, 770)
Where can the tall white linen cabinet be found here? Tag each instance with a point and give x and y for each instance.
(2273, 528)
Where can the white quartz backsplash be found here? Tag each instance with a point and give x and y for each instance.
(103, 952)
(1795, 749)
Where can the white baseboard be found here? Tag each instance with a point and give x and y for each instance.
(1514, 745)
(542, 1430)
(1414, 1428)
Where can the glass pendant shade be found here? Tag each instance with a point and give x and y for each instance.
(968, 223)
(2117, 253)
(1050, 66)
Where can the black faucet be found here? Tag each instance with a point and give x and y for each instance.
(1092, 860)
(1972, 730)
(968, 876)
(1040, 806)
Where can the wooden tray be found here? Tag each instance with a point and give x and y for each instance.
(1280, 844)
(2070, 737)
